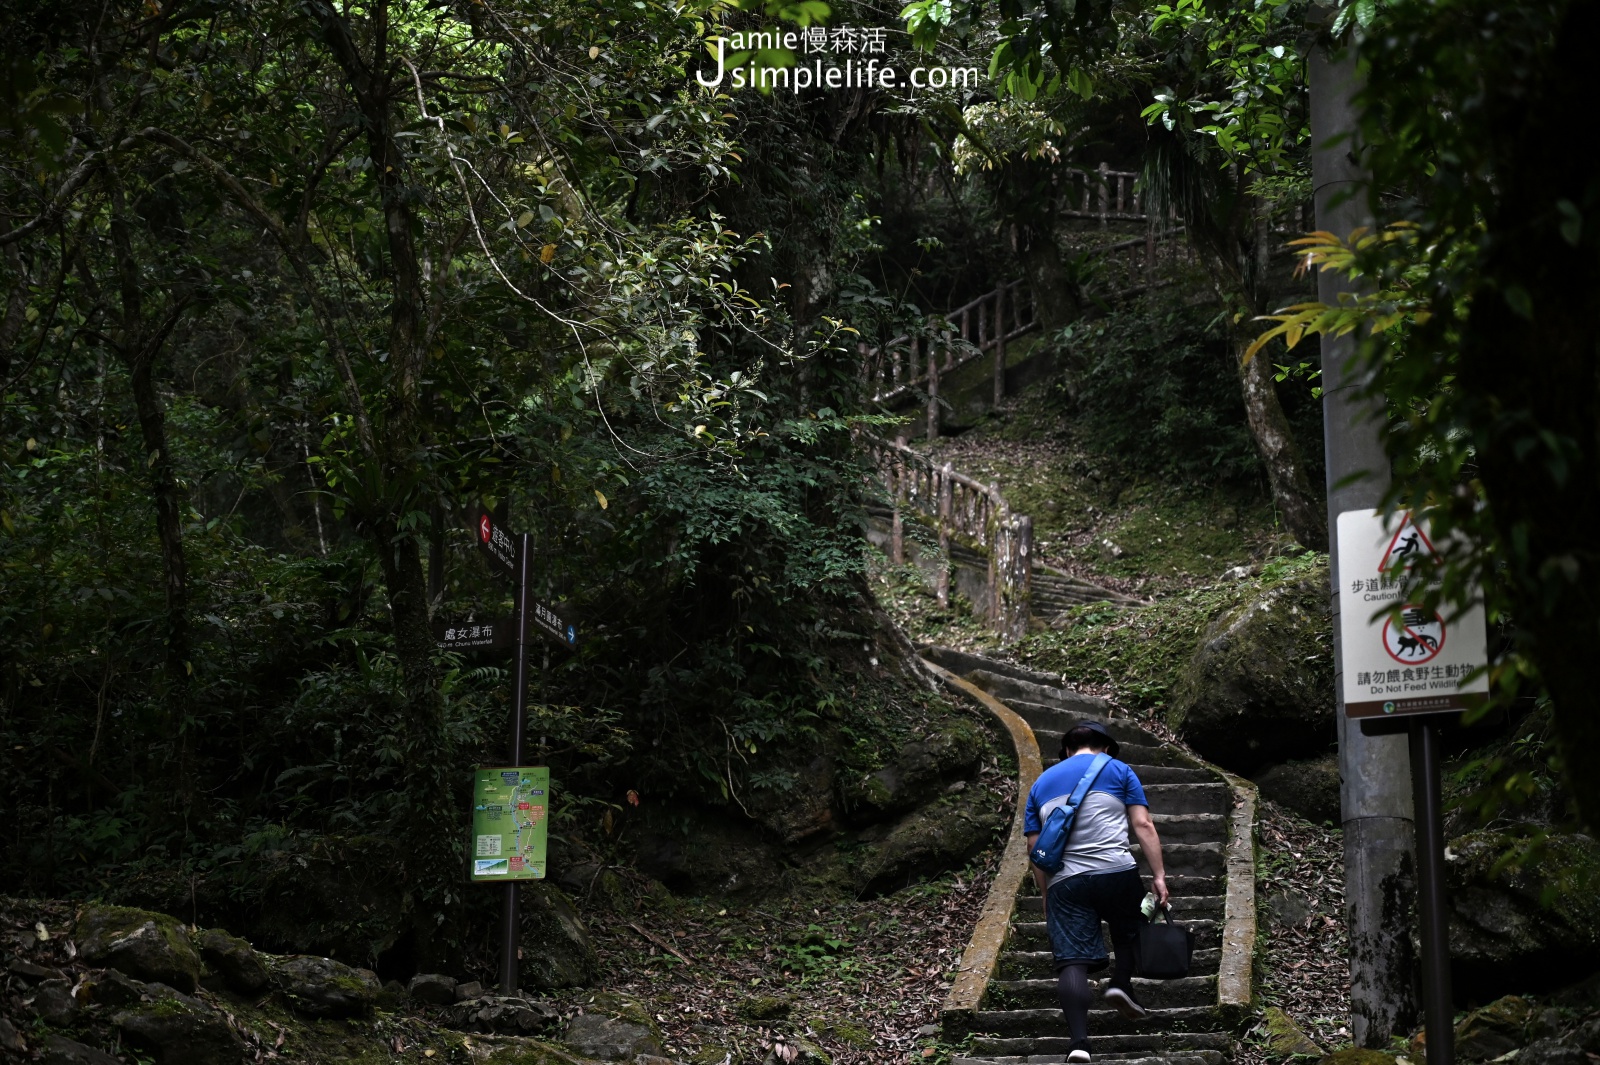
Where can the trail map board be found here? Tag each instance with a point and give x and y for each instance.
(1413, 661)
(510, 823)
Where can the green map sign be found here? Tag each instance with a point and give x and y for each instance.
(510, 823)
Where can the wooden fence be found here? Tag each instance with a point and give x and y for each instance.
(965, 509)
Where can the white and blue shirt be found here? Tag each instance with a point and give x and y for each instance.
(1099, 839)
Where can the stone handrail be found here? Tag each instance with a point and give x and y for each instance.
(1239, 904)
(961, 507)
(988, 939)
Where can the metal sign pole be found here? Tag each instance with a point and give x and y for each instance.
(1438, 1008)
(519, 710)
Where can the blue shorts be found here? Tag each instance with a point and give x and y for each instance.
(1075, 907)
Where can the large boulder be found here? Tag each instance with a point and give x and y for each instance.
(508, 1014)
(803, 807)
(231, 958)
(1259, 687)
(143, 944)
(917, 773)
(1309, 788)
(323, 987)
(1530, 927)
(561, 950)
(59, 1050)
(613, 1027)
(180, 1031)
(695, 851)
(339, 895)
(942, 835)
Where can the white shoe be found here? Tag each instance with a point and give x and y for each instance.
(1078, 1057)
(1126, 1004)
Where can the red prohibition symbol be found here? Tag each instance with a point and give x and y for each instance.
(1417, 639)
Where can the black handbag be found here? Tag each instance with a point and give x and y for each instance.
(1164, 949)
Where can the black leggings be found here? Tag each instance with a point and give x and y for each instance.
(1072, 991)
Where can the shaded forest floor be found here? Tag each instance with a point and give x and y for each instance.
(862, 979)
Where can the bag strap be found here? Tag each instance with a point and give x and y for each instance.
(1088, 778)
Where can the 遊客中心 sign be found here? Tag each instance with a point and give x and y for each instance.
(1417, 662)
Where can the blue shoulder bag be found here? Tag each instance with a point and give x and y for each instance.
(1050, 849)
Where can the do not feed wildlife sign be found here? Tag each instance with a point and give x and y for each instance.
(1401, 657)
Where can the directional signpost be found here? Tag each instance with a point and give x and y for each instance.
(526, 819)
(1405, 660)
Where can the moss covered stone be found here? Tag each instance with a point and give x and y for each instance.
(917, 772)
(938, 836)
(1286, 1038)
(1358, 1056)
(1259, 687)
(765, 1008)
(141, 943)
(323, 987)
(181, 1031)
(1529, 926)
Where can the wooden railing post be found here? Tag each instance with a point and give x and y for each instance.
(933, 392)
(942, 584)
(999, 345)
(1105, 194)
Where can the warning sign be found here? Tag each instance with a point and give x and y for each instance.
(1401, 657)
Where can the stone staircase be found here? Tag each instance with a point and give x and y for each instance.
(1053, 593)
(1200, 814)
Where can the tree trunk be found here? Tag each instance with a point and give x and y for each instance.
(1301, 508)
(169, 516)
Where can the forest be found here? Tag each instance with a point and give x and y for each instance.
(882, 388)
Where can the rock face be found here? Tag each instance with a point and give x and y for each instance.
(181, 1031)
(613, 1028)
(706, 854)
(1309, 788)
(150, 946)
(433, 988)
(323, 987)
(53, 1001)
(504, 1014)
(918, 772)
(935, 837)
(558, 947)
(1503, 938)
(609, 1038)
(1259, 688)
(234, 960)
(59, 1050)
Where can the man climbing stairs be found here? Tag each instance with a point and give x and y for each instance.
(1193, 807)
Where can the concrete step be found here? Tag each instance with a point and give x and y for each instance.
(1005, 687)
(963, 662)
(1135, 754)
(1032, 935)
(1040, 964)
(1106, 1046)
(1189, 798)
(1155, 995)
(1050, 1022)
(1184, 907)
(1057, 719)
(1187, 828)
(1157, 774)
(1136, 1057)
(1186, 859)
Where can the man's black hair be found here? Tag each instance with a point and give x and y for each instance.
(1080, 737)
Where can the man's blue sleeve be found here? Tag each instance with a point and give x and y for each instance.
(1030, 820)
(1132, 790)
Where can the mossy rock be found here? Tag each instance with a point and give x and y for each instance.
(323, 987)
(1530, 927)
(513, 1050)
(696, 851)
(1259, 687)
(141, 943)
(917, 773)
(1309, 788)
(181, 1031)
(765, 1008)
(942, 835)
(713, 1055)
(843, 1031)
(1286, 1038)
(342, 895)
(234, 960)
(1495, 1029)
(1358, 1056)
(556, 945)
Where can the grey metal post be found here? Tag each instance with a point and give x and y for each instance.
(1375, 777)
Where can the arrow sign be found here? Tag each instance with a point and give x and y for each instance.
(552, 625)
(496, 543)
